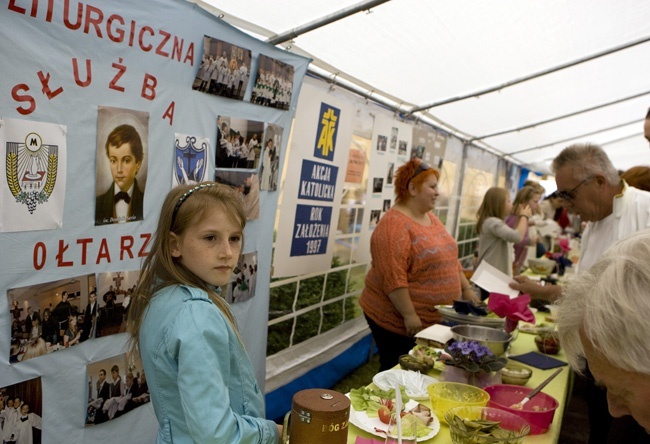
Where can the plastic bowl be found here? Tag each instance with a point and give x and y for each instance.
(447, 395)
(507, 420)
(539, 411)
(515, 374)
(496, 340)
(542, 266)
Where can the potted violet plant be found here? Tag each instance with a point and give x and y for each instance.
(471, 363)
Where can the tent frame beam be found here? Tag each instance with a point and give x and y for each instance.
(565, 116)
(325, 20)
(621, 125)
(534, 75)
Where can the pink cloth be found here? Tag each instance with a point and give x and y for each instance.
(361, 440)
(513, 310)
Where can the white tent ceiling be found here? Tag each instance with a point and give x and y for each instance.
(414, 53)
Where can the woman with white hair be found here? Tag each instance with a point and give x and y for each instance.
(603, 322)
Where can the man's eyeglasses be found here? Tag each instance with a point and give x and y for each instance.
(571, 194)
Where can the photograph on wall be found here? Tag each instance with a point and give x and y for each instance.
(374, 218)
(225, 69)
(393, 138)
(377, 184)
(115, 387)
(248, 185)
(33, 164)
(382, 141)
(402, 148)
(427, 144)
(271, 157)
(114, 290)
(191, 159)
(386, 205)
(242, 282)
(239, 143)
(390, 172)
(48, 317)
(122, 147)
(273, 83)
(21, 412)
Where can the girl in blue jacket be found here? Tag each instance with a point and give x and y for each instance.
(200, 378)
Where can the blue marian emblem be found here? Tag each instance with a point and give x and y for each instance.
(190, 164)
(31, 170)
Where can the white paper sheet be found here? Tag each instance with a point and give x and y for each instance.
(490, 279)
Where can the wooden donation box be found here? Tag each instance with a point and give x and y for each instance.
(318, 416)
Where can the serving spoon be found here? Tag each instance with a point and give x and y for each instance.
(520, 404)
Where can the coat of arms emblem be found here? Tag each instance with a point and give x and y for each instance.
(190, 164)
(31, 170)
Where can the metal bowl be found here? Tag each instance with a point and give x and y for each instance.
(496, 340)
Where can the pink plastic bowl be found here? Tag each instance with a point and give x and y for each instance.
(539, 411)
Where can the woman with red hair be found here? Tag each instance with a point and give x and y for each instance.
(414, 266)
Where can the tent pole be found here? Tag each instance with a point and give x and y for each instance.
(555, 119)
(326, 20)
(533, 76)
(577, 137)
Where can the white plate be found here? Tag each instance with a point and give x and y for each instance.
(415, 383)
(361, 420)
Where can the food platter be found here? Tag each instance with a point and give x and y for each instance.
(415, 383)
(375, 427)
(448, 313)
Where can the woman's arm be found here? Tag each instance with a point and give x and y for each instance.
(467, 293)
(401, 299)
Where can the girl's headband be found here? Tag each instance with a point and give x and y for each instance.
(187, 194)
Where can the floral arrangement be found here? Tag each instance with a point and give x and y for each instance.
(472, 357)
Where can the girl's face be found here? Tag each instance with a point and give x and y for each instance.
(534, 202)
(508, 204)
(210, 247)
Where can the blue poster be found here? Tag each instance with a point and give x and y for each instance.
(317, 181)
(311, 230)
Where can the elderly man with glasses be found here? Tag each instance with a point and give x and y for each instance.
(591, 188)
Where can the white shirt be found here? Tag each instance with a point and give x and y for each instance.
(631, 213)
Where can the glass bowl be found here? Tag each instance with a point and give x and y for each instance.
(447, 395)
(512, 428)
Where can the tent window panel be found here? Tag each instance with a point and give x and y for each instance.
(311, 292)
(281, 300)
(359, 221)
(307, 326)
(442, 215)
(279, 337)
(357, 278)
(343, 251)
(333, 315)
(347, 219)
(352, 308)
(335, 285)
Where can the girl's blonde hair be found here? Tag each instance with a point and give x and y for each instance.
(183, 207)
(524, 195)
(493, 205)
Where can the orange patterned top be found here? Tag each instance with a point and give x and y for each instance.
(407, 254)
